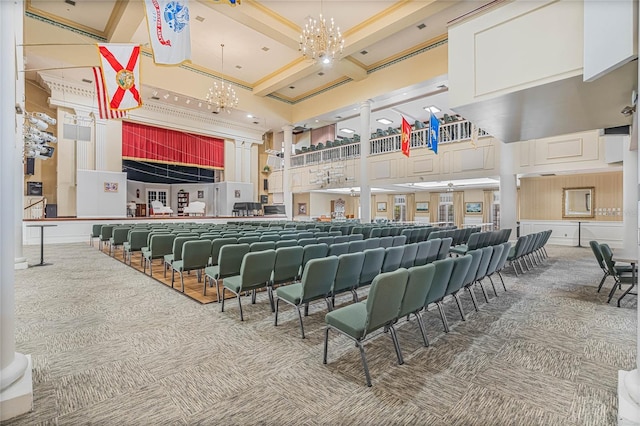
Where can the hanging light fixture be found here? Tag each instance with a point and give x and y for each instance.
(222, 96)
(321, 41)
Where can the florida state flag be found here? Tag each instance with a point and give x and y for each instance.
(406, 137)
(120, 65)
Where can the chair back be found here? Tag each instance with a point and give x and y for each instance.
(418, 286)
(356, 237)
(385, 298)
(217, 244)
(607, 256)
(178, 242)
(286, 243)
(422, 234)
(423, 253)
(256, 269)
(371, 243)
(484, 262)
(444, 268)
(325, 240)
(313, 251)
(506, 247)
(248, 240)
(270, 238)
(434, 249)
(120, 235)
(95, 231)
(106, 232)
(445, 245)
(348, 273)
(476, 257)
(287, 264)
(399, 240)
(409, 255)
(318, 277)
(373, 259)
(386, 242)
(138, 239)
(336, 249)
(392, 258)
(375, 233)
(307, 241)
(195, 254)
(261, 245)
(357, 246)
(459, 274)
(230, 259)
(495, 259)
(595, 248)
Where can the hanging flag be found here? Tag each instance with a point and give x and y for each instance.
(169, 31)
(104, 111)
(406, 137)
(121, 72)
(434, 133)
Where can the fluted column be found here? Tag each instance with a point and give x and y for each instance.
(286, 172)
(20, 260)
(16, 390)
(508, 189)
(365, 187)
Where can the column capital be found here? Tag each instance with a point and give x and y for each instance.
(287, 128)
(366, 103)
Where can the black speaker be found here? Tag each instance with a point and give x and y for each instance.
(51, 210)
(34, 189)
(265, 184)
(30, 166)
(264, 199)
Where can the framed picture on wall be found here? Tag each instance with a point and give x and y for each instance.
(422, 207)
(237, 193)
(382, 207)
(473, 208)
(111, 187)
(200, 194)
(302, 208)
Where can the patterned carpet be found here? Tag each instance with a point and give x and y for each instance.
(111, 346)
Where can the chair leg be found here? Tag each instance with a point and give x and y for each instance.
(204, 287)
(501, 279)
(240, 306)
(355, 296)
(181, 280)
(306, 309)
(443, 316)
(604, 277)
(300, 318)
(396, 345)
(151, 266)
(222, 304)
(173, 275)
(459, 303)
(164, 271)
(422, 329)
(484, 292)
(625, 293)
(275, 319)
(364, 363)
(493, 285)
(218, 290)
(613, 291)
(329, 304)
(253, 297)
(326, 344)
(473, 297)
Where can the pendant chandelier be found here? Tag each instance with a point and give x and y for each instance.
(222, 96)
(320, 40)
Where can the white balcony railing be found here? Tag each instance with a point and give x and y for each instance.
(450, 132)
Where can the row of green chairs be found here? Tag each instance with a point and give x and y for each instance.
(529, 248)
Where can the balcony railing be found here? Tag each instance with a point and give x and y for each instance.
(450, 132)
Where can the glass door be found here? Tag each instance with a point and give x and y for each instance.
(400, 208)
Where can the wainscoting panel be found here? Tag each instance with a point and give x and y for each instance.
(565, 233)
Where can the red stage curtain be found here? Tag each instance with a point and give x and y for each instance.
(155, 144)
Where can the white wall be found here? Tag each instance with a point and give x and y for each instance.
(193, 188)
(93, 201)
(226, 196)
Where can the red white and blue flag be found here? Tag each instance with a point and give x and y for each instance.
(405, 132)
(121, 72)
(169, 30)
(104, 111)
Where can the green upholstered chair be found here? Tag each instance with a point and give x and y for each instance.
(456, 281)
(228, 264)
(325, 240)
(386, 242)
(255, 273)
(493, 264)
(176, 251)
(248, 239)
(470, 278)
(373, 259)
(106, 231)
(356, 237)
(445, 245)
(159, 246)
(418, 286)
(399, 240)
(217, 244)
(434, 249)
(423, 253)
(506, 247)
(95, 233)
(118, 237)
(620, 275)
(195, 257)
(371, 243)
(444, 268)
(357, 246)
(286, 243)
(316, 283)
(273, 238)
(286, 268)
(313, 251)
(261, 245)
(136, 241)
(337, 249)
(380, 310)
(348, 274)
(409, 255)
(392, 258)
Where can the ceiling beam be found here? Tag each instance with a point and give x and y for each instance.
(352, 70)
(291, 74)
(124, 21)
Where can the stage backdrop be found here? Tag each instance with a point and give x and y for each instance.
(155, 144)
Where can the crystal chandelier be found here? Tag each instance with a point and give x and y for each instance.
(321, 41)
(222, 96)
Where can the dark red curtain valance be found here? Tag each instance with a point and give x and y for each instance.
(155, 144)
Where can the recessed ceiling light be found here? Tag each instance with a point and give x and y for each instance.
(363, 52)
(199, 18)
(86, 80)
(442, 86)
(249, 116)
(338, 117)
(421, 26)
(317, 121)
(239, 66)
(346, 130)
(432, 109)
(292, 87)
(265, 48)
(326, 60)
(71, 2)
(321, 73)
(384, 121)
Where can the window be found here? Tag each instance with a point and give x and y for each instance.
(445, 208)
(156, 194)
(400, 208)
(495, 210)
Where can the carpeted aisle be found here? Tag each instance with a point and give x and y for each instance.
(111, 346)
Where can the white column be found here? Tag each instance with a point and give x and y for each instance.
(286, 172)
(508, 189)
(246, 162)
(629, 199)
(20, 260)
(16, 390)
(101, 144)
(238, 176)
(365, 187)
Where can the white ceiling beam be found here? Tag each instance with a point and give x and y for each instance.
(124, 21)
(351, 69)
(287, 77)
